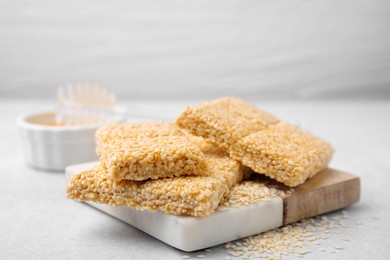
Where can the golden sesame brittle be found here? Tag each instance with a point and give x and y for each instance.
(148, 151)
(224, 121)
(258, 140)
(185, 195)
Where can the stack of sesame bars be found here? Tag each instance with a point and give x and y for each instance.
(189, 167)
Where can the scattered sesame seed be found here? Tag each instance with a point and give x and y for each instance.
(291, 239)
(200, 256)
(207, 250)
(185, 257)
(233, 253)
(250, 192)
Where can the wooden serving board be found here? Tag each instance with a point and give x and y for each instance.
(329, 190)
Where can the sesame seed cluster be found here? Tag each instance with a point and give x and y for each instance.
(192, 195)
(323, 234)
(159, 166)
(297, 239)
(252, 192)
(258, 140)
(149, 150)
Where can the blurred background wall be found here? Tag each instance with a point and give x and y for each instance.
(304, 49)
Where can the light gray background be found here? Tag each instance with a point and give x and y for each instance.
(199, 49)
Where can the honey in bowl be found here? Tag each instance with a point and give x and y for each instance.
(52, 124)
(51, 146)
(45, 119)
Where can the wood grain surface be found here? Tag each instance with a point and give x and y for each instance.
(329, 190)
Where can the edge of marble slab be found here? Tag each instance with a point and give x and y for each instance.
(194, 233)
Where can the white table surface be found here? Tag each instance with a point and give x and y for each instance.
(37, 221)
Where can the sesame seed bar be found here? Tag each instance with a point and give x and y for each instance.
(224, 121)
(149, 150)
(258, 140)
(285, 153)
(185, 195)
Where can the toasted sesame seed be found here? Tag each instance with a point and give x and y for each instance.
(287, 240)
(259, 140)
(231, 252)
(249, 192)
(190, 195)
(185, 257)
(200, 256)
(149, 150)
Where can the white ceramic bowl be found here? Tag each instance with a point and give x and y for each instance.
(55, 147)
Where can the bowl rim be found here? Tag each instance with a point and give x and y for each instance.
(21, 121)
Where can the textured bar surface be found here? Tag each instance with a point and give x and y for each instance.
(258, 140)
(285, 153)
(148, 151)
(185, 195)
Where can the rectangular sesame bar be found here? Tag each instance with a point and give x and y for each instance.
(258, 140)
(149, 150)
(224, 121)
(185, 195)
(285, 153)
